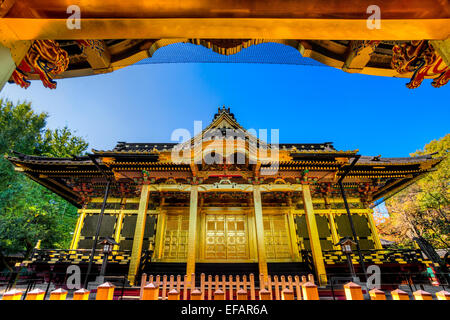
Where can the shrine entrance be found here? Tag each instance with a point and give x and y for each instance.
(226, 237)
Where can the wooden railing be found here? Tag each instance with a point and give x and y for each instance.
(152, 291)
(230, 286)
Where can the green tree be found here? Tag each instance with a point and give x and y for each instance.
(28, 211)
(423, 209)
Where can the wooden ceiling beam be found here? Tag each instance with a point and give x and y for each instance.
(225, 28)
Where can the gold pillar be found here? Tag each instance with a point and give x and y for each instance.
(79, 226)
(292, 232)
(160, 225)
(192, 237)
(259, 224)
(373, 228)
(119, 224)
(139, 234)
(334, 233)
(314, 235)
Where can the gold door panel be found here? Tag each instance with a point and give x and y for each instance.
(176, 237)
(276, 237)
(226, 237)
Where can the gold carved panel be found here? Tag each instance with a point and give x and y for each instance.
(226, 237)
(176, 237)
(276, 237)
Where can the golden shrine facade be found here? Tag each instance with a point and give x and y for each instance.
(220, 204)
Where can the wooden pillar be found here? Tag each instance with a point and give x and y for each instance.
(79, 226)
(259, 224)
(11, 55)
(373, 229)
(314, 235)
(292, 232)
(192, 237)
(139, 234)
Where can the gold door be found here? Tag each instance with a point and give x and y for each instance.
(175, 238)
(276, 237)
(226, 237)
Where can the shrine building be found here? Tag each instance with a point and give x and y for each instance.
(226, 202)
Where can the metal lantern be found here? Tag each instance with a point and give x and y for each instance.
(346, 247)
(108, 245)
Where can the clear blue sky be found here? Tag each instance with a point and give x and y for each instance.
(145, 103)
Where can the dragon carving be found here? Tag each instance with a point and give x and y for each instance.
(419, 57)
(46, 59)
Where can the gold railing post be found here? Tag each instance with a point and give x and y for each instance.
(353, 291)
(58, 294)
(13, 294)
(259, 223)
(36, 294)
(309, 291)
(287, 294)
(219, 295)
(313, 232)
(173, 295)
(443, 295)
(422, 295)
(399, 295)
(139, 234)
(105, 292)
(242, 294)
(81, 294)
(264, 294)
(376, 294)
(192, 237)
(151, 292)
(196, 294)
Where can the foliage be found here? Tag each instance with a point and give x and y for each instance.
(28, 211)
(423, 209)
